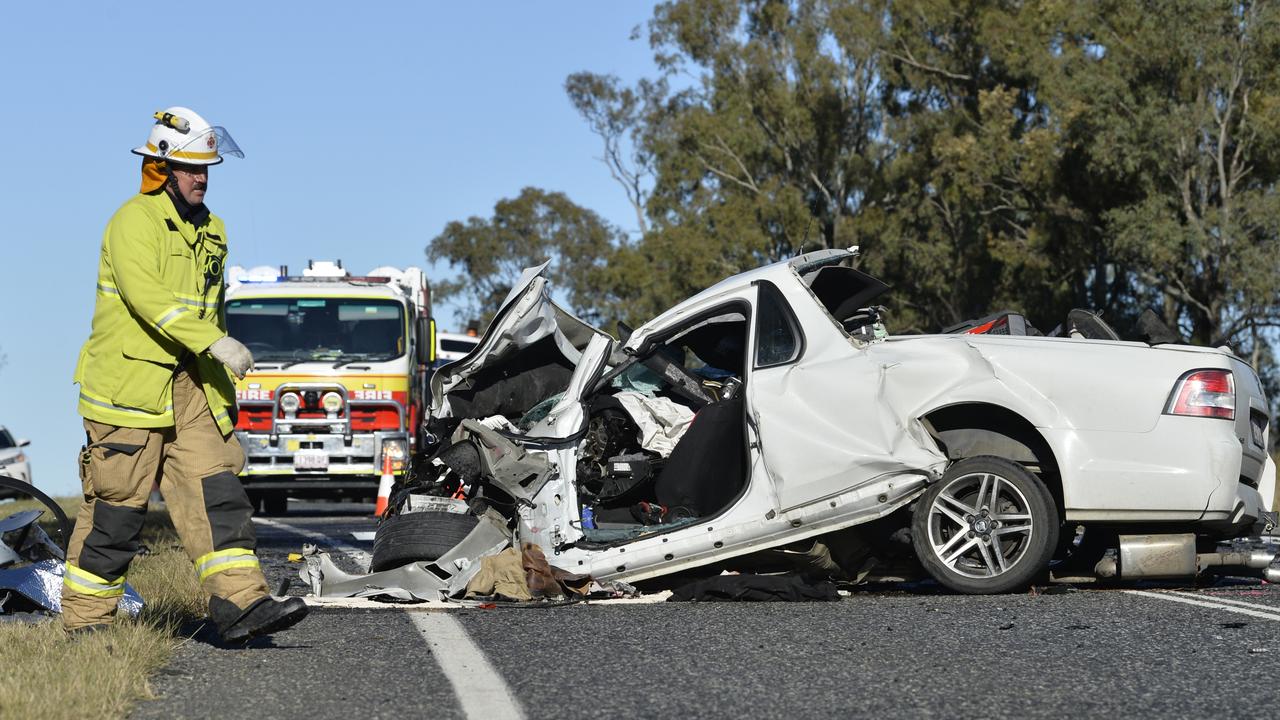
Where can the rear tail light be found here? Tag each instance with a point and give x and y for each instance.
(1204, 393)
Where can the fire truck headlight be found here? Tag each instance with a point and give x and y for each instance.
(290, 402)
(332, 403)
(396, 450)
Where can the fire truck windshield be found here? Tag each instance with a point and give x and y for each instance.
(336, 329)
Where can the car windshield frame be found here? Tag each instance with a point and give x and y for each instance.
(6, 440)
(333, 329)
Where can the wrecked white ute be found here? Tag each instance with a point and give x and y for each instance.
(772, 408)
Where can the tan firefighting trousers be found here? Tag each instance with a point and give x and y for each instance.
(197, 470)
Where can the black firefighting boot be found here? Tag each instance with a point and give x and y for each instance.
(263, 617)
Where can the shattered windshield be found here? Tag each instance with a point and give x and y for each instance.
(342, 330)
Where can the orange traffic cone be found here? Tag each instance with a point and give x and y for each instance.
(384, 487)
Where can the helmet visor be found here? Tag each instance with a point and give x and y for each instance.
(207, 146)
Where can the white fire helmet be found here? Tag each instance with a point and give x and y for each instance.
(184, 137)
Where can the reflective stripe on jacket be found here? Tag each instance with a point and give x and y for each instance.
(159, 298)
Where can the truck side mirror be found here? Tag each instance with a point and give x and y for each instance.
(24, 442)
(426, 346)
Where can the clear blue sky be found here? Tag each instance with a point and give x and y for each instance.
(366, 128)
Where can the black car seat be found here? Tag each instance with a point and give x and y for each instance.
(706, 470)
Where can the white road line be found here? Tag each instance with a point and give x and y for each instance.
(1241, 603)
(481, 691)
(1202, 603)
(361, 557)
(349, 603)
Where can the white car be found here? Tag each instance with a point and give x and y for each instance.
(773, 408)
(13, 461)
(451, 347)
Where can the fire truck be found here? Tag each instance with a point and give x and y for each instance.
(340, 378)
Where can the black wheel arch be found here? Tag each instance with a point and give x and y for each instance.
(972, 429)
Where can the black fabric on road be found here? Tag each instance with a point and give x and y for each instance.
(755, 588)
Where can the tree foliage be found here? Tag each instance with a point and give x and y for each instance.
(1180, 105)
(1035, 155)
(527, 230)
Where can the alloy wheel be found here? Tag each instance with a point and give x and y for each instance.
(980, 525)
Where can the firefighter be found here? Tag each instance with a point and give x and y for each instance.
(158, 399)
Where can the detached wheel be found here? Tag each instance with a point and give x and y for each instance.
(989, 526)
(14, 488)
(418, 537)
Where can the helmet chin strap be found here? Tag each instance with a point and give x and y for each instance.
(171, 185)
(194, 214)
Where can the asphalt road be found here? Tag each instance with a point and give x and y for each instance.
(883, 653)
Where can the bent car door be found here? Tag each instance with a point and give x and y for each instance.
(826, 421)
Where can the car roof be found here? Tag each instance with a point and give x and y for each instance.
(773, 271)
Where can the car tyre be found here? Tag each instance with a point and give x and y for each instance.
(15, 488)
(989, 526)
(418, 537)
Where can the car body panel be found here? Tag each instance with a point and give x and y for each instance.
(837, 416)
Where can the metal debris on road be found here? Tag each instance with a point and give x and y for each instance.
(31, 569)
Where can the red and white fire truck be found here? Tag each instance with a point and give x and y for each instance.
(342, 364)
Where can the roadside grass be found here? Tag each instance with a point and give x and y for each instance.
(48, 675)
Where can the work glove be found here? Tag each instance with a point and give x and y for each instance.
(230, 352)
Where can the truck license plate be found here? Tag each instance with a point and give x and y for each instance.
(311, 460)
(1256, 425)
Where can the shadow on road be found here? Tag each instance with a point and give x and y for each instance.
(322, 510)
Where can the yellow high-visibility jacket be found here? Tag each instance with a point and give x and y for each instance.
(159, 300)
